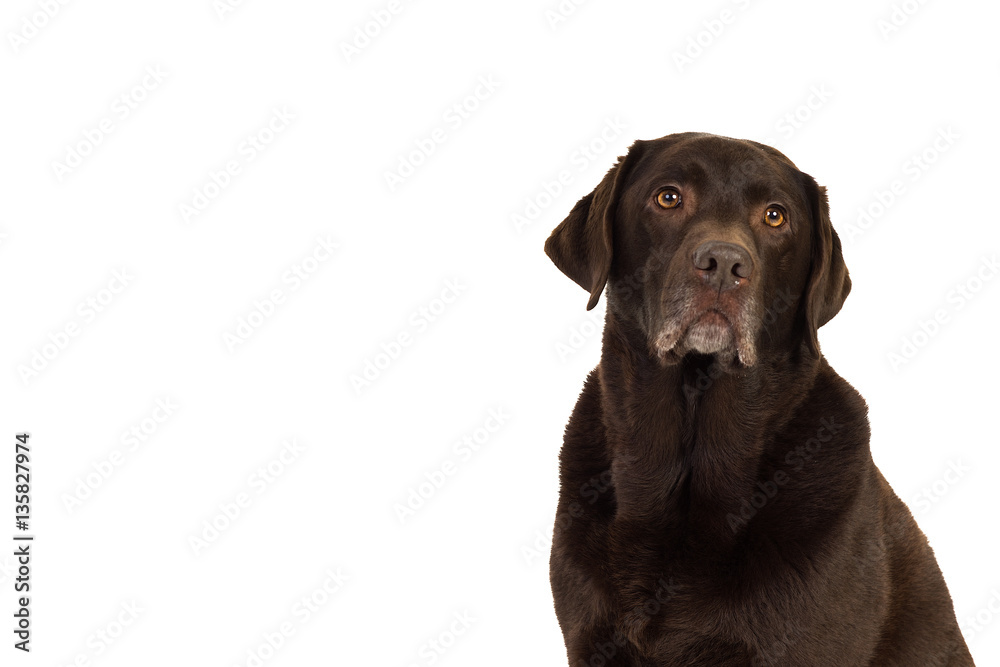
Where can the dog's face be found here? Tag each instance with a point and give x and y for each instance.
(709, 245)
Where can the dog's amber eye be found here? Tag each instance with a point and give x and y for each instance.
(668, 198)
(774, 216)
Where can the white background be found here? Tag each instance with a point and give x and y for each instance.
(848, 102)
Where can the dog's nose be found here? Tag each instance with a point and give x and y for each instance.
(722, 265)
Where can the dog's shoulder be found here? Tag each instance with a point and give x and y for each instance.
(834, 402)
(584, 452)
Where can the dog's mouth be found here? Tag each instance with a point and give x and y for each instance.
(708, 330)
(710, 333)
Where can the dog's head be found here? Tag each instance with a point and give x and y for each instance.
(709, 245)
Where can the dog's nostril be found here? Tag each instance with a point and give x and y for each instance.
(705, 261)
(716, 261)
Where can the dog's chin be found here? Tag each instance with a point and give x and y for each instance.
(711, 333)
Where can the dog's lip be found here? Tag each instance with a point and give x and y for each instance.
(711, 316)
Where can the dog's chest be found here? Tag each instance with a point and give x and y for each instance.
(696, 602)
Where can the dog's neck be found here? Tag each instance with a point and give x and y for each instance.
(685, 440)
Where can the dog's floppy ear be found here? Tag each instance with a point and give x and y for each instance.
(581, 246)
(829, 283)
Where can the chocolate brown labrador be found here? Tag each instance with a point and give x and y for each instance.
(719, 504)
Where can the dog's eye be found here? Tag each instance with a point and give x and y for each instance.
(668, 198)
(774, 216)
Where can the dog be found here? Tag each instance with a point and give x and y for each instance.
(718, 504)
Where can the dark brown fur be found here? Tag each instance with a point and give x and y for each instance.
(723, 508)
